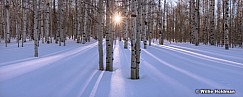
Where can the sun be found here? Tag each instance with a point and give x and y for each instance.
(117, 18)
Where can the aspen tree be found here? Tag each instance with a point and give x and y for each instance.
(138, 37)
(226, 23)
(1, 23)
(168, 20)
(126, 24)
(205, 22)
(41, 16)
(78, 18)
(177, 20)
(100, 34)
(134, 71)
(47, 23)
(195, 19)
(24, 21)
(7, 22)
(109, 36)
(61, 33)
(163, 25)
(65, 23)
(190, 19)
(219, 31)
(68, 21)
(230, 23)
(153, 21)
(234, 23)
(222, 25)
(51, 22)
(74, 21)
(36, 3)
(55, 22)
(150, 22)
(89, 21)
(159, 23)
(143, 18)
(59, 22)
(212, 32)
(17, 24)
(145, 25)
(197, 23)
(240, 23)
(85, 23)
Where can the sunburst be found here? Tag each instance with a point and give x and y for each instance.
(117, 18)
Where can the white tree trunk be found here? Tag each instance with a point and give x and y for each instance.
(226, 24)
(150, 23)
(195, 21)
(78, 20)
(41, 21)
(24, 22)
(36, 28)
(85, 23)
(126, 25)
(109, 38)
(159, 23)
(145, 24)
(212, 32)
(138, 37)
(219, 30)
(163, 24)
(17, 28)
(61, 22)
(61, 15)
(133, 40)
(206, 31)
(47, 23)
(7, 23)
(1, 23)
(100, 34)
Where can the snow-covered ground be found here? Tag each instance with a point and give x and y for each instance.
(171, 70)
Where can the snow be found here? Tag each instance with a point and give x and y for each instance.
(170, 70)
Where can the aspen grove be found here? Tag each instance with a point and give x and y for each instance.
(199, 22)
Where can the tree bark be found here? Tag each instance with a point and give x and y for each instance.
(145, 24)
(36, 3)
(85, 23)
(134, 71)
(100, 34)
(163, 25)
(219, 30)
(212, 32)
(159, 27)
(226, 24)
(24, 22)
(47, 23)
(109, 37)
(150, 23)
(78, 20)
(126, 24)
(7, 23)
(195, 21)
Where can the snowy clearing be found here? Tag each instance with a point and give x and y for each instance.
(170, 70)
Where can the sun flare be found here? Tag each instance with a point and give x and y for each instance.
(117, 18)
